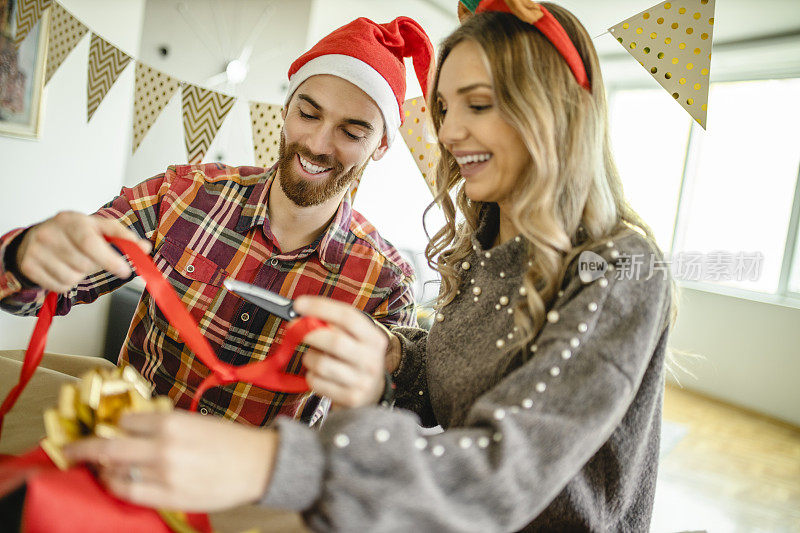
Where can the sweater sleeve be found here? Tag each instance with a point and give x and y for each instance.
(411, 376)
(522, 441)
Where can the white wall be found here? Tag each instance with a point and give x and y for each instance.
(750, 351)
(73, 165)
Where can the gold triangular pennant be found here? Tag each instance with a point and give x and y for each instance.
(152, 92)
(65, 33)
(106, 63)
(417, 132)
(204, 112)
(673, 42)
(267, 124)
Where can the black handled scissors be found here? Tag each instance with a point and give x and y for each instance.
(272, 302)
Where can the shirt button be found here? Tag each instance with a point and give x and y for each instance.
(273, 262)
(245, 317)
(203, 411)
(189, 268)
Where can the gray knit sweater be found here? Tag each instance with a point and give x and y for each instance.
(560, 436)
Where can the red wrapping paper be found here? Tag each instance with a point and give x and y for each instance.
(72, 501)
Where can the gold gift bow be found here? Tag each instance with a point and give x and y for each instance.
(93, 407)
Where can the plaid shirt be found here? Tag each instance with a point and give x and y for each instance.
(209, 222)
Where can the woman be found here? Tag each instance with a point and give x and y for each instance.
(544, 368)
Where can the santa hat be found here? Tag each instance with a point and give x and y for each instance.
(370, 56)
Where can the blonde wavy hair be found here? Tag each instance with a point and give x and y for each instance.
(570, 199)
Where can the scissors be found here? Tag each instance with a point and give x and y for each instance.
(272, 302)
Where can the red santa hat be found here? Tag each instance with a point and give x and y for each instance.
(370, 56)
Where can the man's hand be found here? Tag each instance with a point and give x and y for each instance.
(346, 361)
(182, 461)
(61, 251)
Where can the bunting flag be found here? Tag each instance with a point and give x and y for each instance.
(417, 132)
(204, 111)
(65, 33)
(153, 91)
(106, 63)
(673, 42)
(28, 14)
(267, 124)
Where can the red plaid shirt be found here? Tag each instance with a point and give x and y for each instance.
(209, 222)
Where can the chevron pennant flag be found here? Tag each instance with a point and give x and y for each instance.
(65, 32)
(204, 112)
(106, 63)
(672, 40)
(153, 91)
(417, 132)
(28, 14)
(267, 123)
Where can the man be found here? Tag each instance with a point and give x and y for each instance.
(289, 229)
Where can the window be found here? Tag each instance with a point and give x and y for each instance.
(649, 133)
(794, 279)
(741, 178)
(732, 216)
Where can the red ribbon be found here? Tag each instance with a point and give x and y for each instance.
(553, 31)
(33, 355)
(267, 374)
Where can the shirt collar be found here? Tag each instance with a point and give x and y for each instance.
(254, 212)
(330, 247)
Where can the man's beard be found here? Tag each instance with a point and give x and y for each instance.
(306, 193)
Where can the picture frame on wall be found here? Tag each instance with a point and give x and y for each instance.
(21, 74)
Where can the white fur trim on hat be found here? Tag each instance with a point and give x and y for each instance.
(359, 74)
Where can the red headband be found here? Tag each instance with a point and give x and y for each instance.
(536, 14)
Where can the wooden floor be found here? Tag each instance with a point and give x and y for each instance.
(732, 471)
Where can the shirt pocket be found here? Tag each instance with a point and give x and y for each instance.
(196, 278)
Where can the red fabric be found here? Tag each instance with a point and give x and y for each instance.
(554, 32)
(33, 354)
(73, 501)
(381, 46)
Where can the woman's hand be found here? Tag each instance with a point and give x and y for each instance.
(182, 461)
(346, 361)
